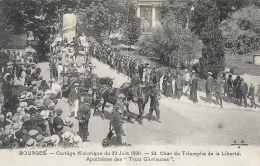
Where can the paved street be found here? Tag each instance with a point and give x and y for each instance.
(183, 123)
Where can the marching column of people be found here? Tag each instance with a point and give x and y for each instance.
(185, 83)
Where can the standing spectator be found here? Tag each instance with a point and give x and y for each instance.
(45, 116)
(57, 120)
(209, 86)
(23, 75)
(154, 104)
(116, 123)
(236, 89)
(73, 100)
(178, 86)
(120, 103)
(258, 93)
(243, 89)
(194, 88)
(28, 79)
(7, 87)
(83, 116)
(230, 87)
(157, 76)
(225, 84)
(218, 90)
(186, 79)
(147, 75)
(251, 95)
(168, 90)
(2, 125)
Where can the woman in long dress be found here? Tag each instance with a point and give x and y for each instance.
(168, 89)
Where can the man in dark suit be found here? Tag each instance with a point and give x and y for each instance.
(194, 88)
(83, 116)
(28, 79)
(73, 100)
(230, 87)
(116, 123)
(244, 89)
(178, 86)
(157, 76)
(209, 86)
(57, 120)
(154, 104)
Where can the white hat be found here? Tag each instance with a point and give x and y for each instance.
(55, 139)
(209, 73)
(67, 135)
(44, 114)
(29, 95)
(68, 121)
(77, 139)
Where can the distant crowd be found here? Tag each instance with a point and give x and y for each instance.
(29, 117)
(177, 83)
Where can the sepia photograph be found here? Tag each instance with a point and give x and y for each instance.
(130, 82)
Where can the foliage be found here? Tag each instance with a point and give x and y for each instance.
(43, 18)
(242, 30)
(213, 56)
(227, 7)
(132, 29)
(224, 7)
(105, 15)
(5, 30)
(171, 43)
(180, 10)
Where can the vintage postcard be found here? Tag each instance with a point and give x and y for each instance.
(130, 82)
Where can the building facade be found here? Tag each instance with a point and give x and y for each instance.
(149, 12)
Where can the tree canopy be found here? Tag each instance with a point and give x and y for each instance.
(242, 30)
(44, 18)
(171, 43)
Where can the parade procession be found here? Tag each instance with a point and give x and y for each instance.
(80, 87)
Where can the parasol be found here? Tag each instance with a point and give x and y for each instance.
(18, 90)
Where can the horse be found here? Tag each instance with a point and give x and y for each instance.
(140, 96)
(109, 95)
(105, 81)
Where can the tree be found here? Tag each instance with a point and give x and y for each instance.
(41, 17)
(242, 30)
(227, 7)
(171, 43)
(224, 7)
(181, 10)
(105, 15)
(5, 30)
(133, 30)
(213, 56)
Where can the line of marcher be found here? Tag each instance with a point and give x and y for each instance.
(184, 82)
